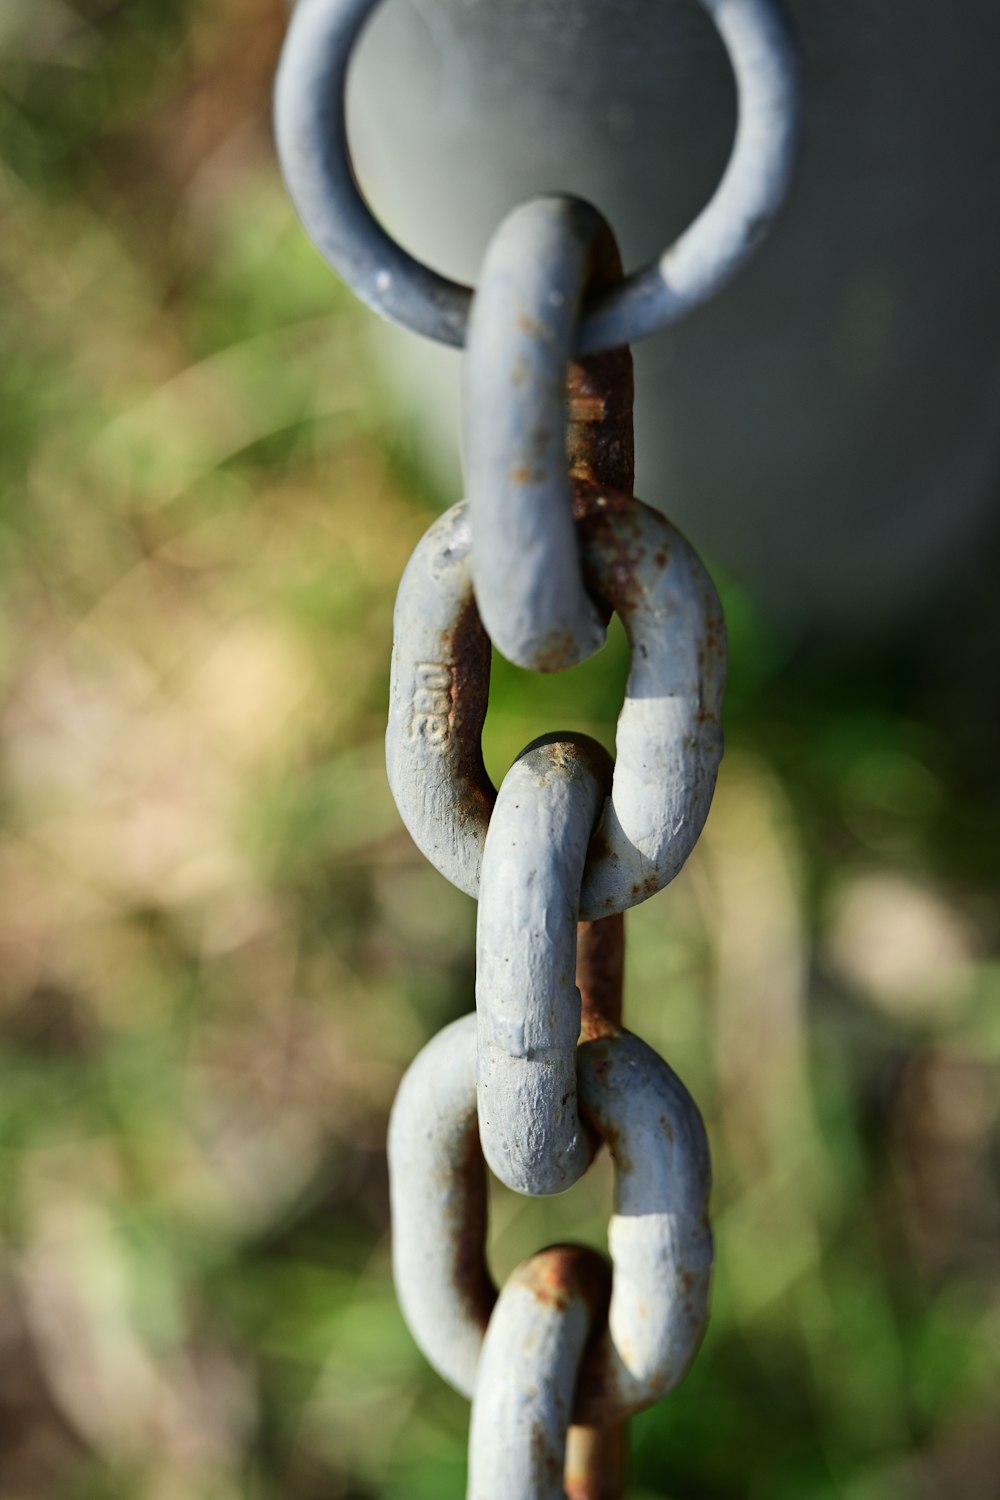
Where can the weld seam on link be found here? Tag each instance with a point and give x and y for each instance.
(313, 148)
(659, 1235)
(525, 558)
(526, 1000)
(669, 737)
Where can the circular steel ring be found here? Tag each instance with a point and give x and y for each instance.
(311, 131)
(659, 1236)
(668, 741)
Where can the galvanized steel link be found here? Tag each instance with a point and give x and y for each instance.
(525, 560)
(668, 740)
(311, 130)
(527, 1002)
(659, 1236)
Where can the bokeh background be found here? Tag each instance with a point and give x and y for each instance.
(219, 949)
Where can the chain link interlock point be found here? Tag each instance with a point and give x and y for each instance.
(659, 1237)
(311, 132)
(528, 1005)
(668, 740)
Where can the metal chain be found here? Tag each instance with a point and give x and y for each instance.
(567, 834)
(550, 542)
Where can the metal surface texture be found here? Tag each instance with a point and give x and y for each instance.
(528, 1372)
(525, 562)
(529, 1008)
(311, 128)
(659, 1238)
(669, 738)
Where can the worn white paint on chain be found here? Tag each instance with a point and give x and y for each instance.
(669, 737)
(526, 997)
(437, 1182)
(659, 1235)
(525, 558)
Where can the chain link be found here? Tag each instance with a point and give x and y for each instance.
(550, 543)
(668, 740)
(659, 1238)
(525, 561)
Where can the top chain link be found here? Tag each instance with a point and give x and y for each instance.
(311, 128)
(524, 444)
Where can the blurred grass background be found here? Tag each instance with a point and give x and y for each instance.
(219, 950)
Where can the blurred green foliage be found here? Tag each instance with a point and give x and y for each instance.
(219, 949)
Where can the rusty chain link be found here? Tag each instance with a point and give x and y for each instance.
(550, 542)
(668, 741)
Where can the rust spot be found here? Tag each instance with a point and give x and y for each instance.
(599, 847)
(586, 406)
(688, 1280)
(595, 1461)
(563, 1272)
(613, 1141)
(555, 652)
(525, 475)
(600, 445)
(470, 1277)
(466, 648)
(552, 1297)
(599, 438)
(600, 958)
(546, 1465)
(666, 1127)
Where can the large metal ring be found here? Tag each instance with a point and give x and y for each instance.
(659, 1236)
(669, 739)
(312, 142)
